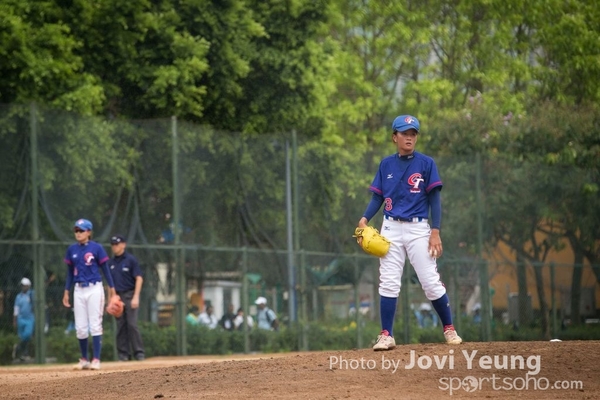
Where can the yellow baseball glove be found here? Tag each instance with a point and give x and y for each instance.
(372, 242)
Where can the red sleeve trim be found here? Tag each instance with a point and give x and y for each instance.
(376, 190)
(433, 185)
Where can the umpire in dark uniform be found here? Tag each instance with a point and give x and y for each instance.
(127, 275)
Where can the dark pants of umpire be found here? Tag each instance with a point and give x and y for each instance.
(128, 332)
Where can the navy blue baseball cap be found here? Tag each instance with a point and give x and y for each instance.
(84, 225)
(404, 123)
(116, 239)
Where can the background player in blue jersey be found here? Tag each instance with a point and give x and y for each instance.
(84, 260)
(127, 276)
(24, 320)
(408, 185)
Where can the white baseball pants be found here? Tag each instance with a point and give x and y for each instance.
(408, 239)
(88, 306)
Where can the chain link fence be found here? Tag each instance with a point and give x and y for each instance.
(221, 218)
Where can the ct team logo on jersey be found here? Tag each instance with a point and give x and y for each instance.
(414, 180)
(88, 257)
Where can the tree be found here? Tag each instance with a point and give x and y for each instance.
(43, 60)
(148, 64)
(569, 52)
(567, 137)
(288, 68)
(14, 184)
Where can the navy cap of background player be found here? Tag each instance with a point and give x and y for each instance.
(83, 224)
(116, 239)
(404, 123)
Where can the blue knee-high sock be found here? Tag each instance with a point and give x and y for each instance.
(83, 346)
(97, 345)
(387, 306)
(442, 307)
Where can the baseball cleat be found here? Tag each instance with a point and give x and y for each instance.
(384, 342)
(95, 364)
(82, 364)
(452, 337)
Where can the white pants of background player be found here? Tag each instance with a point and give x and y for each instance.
(408, 239)
(88, 306)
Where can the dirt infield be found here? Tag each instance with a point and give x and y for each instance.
(557, 370)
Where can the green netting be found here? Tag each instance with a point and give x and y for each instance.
(230, 190)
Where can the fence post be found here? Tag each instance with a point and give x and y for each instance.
(553, 299)
(39, 284)
(180, 302)
(304, 302)
(357, 316)
(245, 305)
(406, 301)
(290, 241)
(303, 345)
(484, 279)
(455, 297)
(486, 306)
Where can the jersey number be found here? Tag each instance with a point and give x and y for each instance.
(388, 204)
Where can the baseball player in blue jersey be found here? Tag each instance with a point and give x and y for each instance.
(84, 260)
(408, 186)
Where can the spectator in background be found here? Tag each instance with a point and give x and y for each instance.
(426, 317)
(265, 317)
(238, 321)
(24, 320)
(226, 321)
(477, 313)
(208, 318)
(192, 317)
(167, 235)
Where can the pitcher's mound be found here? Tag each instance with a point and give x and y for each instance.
(527, 370)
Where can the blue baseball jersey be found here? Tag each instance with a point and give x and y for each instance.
(124, 269)
(84, 262)
(404, 183)
(24, 305)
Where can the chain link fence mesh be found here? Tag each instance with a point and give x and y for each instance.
(130, 177)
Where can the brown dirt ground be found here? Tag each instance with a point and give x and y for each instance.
(351, 374)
